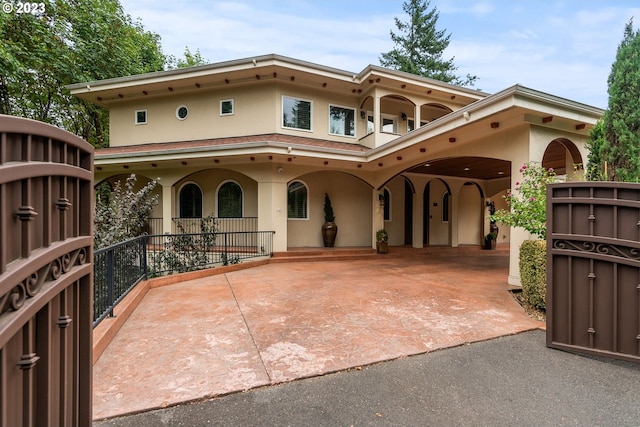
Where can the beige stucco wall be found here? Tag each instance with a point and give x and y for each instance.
(257, 110)
(351, 202)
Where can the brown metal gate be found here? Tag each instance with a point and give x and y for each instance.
(46, 195)
(593, 268)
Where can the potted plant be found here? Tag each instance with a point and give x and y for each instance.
(329, 228)
(490, 240)
(382, 245)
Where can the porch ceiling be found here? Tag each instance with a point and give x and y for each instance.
(466, 167)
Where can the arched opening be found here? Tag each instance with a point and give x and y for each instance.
(563, 156)
(229, 200)
(432, 111)
(436, 213)
(190, 201)
(470, 214)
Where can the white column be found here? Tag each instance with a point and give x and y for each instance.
(167, 204)
(272, 212)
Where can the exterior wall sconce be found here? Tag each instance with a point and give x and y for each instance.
(404, 117)
(362, 114)
(381, 200)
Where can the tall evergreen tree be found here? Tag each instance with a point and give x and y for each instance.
(419, 46)
(615, 147)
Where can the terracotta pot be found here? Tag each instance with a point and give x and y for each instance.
(329, 231)
(382, 247)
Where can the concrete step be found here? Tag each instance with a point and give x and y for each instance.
(323, 254)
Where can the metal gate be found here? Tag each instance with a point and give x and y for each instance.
(46, 195)
(593, 268)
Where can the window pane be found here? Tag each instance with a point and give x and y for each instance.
(190, 201)
(370, 125)
(226, 107)
(230, 200)
(296, 113)
(141, 117)
(297, 201)
(389, 125)
(342, 121)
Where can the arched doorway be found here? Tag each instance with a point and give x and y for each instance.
(470, 214)
(436, 213)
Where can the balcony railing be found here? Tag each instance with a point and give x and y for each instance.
(118, 268)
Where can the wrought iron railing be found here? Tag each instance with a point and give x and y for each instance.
(118, 268)
(195, 225)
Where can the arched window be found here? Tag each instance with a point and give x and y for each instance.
(445, 206)
(297, 201)
(230, 200)
(387, 205)
(190, 201)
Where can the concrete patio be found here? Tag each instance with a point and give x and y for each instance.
(283, 321)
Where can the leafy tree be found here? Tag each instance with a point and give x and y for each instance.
(71, 41)
(122, 213)
(419, 46)
(615, 143)
(528, 207)
(190, 60)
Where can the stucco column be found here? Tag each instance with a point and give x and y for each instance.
(167, 204)
(272, 212)
(417, 116)
(377, 220)
(376, 117)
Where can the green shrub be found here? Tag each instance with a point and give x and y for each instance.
(533, 272)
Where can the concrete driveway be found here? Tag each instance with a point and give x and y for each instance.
(279, 322)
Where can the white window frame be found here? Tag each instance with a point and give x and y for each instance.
(233, 107)
(306, 218)
(355, 131)
(178, 109)
(310, 113)
(392, 117)
(135, 117)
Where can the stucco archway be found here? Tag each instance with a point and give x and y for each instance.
(562, 156)
(470, 214)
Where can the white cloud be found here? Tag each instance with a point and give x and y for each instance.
(565, 48)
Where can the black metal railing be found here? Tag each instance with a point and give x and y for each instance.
(195, 225)
(118, 268)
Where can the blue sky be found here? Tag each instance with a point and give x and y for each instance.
(565, 48)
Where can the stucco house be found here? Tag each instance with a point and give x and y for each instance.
(266, 137)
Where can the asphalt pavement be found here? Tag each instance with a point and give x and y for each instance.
(508, 381)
